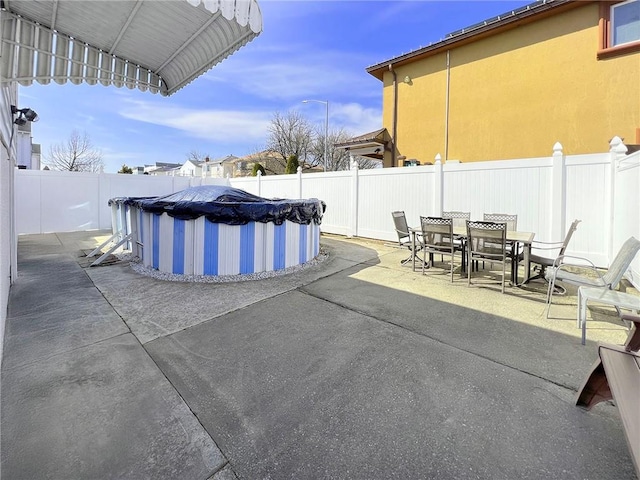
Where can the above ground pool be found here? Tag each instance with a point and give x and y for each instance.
(219, 230)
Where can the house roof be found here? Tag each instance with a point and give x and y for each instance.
(370, 144)
(258, 156)
(228, 159)
(159, 46)
(492, 26)
(165, 165)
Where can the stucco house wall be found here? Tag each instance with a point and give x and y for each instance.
(513, 93)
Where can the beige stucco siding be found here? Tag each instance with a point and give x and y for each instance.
(515, 94)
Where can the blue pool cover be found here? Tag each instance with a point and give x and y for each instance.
(232, 206)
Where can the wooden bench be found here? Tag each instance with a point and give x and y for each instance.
(616, 376)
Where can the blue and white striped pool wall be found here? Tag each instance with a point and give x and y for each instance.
(202, 247)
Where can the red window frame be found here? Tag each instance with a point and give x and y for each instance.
(605, 50)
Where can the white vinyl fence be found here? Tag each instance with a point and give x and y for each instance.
(547, 194)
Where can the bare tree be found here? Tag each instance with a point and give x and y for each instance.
(77, 154)
(196, 156)
(337, 158)
(289, 134)
(366, 162)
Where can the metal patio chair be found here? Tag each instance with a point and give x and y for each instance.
(581, 274)
(486, 241)
(510, 220)
(437, 237)
(404, 236)
(512, 226)
(544, 262)
(459, 220)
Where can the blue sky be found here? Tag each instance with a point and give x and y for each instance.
(307, 50)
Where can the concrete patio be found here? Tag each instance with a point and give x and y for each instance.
(355, 368)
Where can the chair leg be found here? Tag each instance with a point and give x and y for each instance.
(550, 294)
(452, 253)
(408, 259)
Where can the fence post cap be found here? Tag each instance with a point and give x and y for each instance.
(617, 145)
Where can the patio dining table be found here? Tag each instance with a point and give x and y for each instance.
(514, 237)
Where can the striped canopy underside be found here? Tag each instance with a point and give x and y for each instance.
(154, 45)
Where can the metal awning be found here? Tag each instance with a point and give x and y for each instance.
(370, 145)
(155, 45)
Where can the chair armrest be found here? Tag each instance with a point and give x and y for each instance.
(552, 245)
(558, 265)
(560, 260)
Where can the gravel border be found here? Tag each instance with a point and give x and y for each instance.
(138, 267)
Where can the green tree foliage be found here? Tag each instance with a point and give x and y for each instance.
(257, 168)
(125, 169)
(292, 164)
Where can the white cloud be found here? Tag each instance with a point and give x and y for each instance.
(245, 127)
(299, 73)
(357, 119)
(226, 126)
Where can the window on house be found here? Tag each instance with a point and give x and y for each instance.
(625, 22)
(619, 28)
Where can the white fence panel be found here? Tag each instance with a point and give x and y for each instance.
(248, 184)
(547, 194)
(383, 191)
(279, 186)
(28, 202)
(626, 216)
(586, 191)
(517, 187)
(69, 203)
(334, 189)
(53, 201)
(321, 185)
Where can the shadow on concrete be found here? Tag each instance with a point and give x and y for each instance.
(359, 368)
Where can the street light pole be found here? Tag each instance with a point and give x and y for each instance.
(326, 128)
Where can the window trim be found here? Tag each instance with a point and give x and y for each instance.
(605, 50)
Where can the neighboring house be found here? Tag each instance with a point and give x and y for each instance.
(227, 165)
(374, 146)
(512, 86)
(191, 168)
(271, 161)
(243, 166)
(218, 168)
(27, 152)
(158, 168)
(36, 156)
